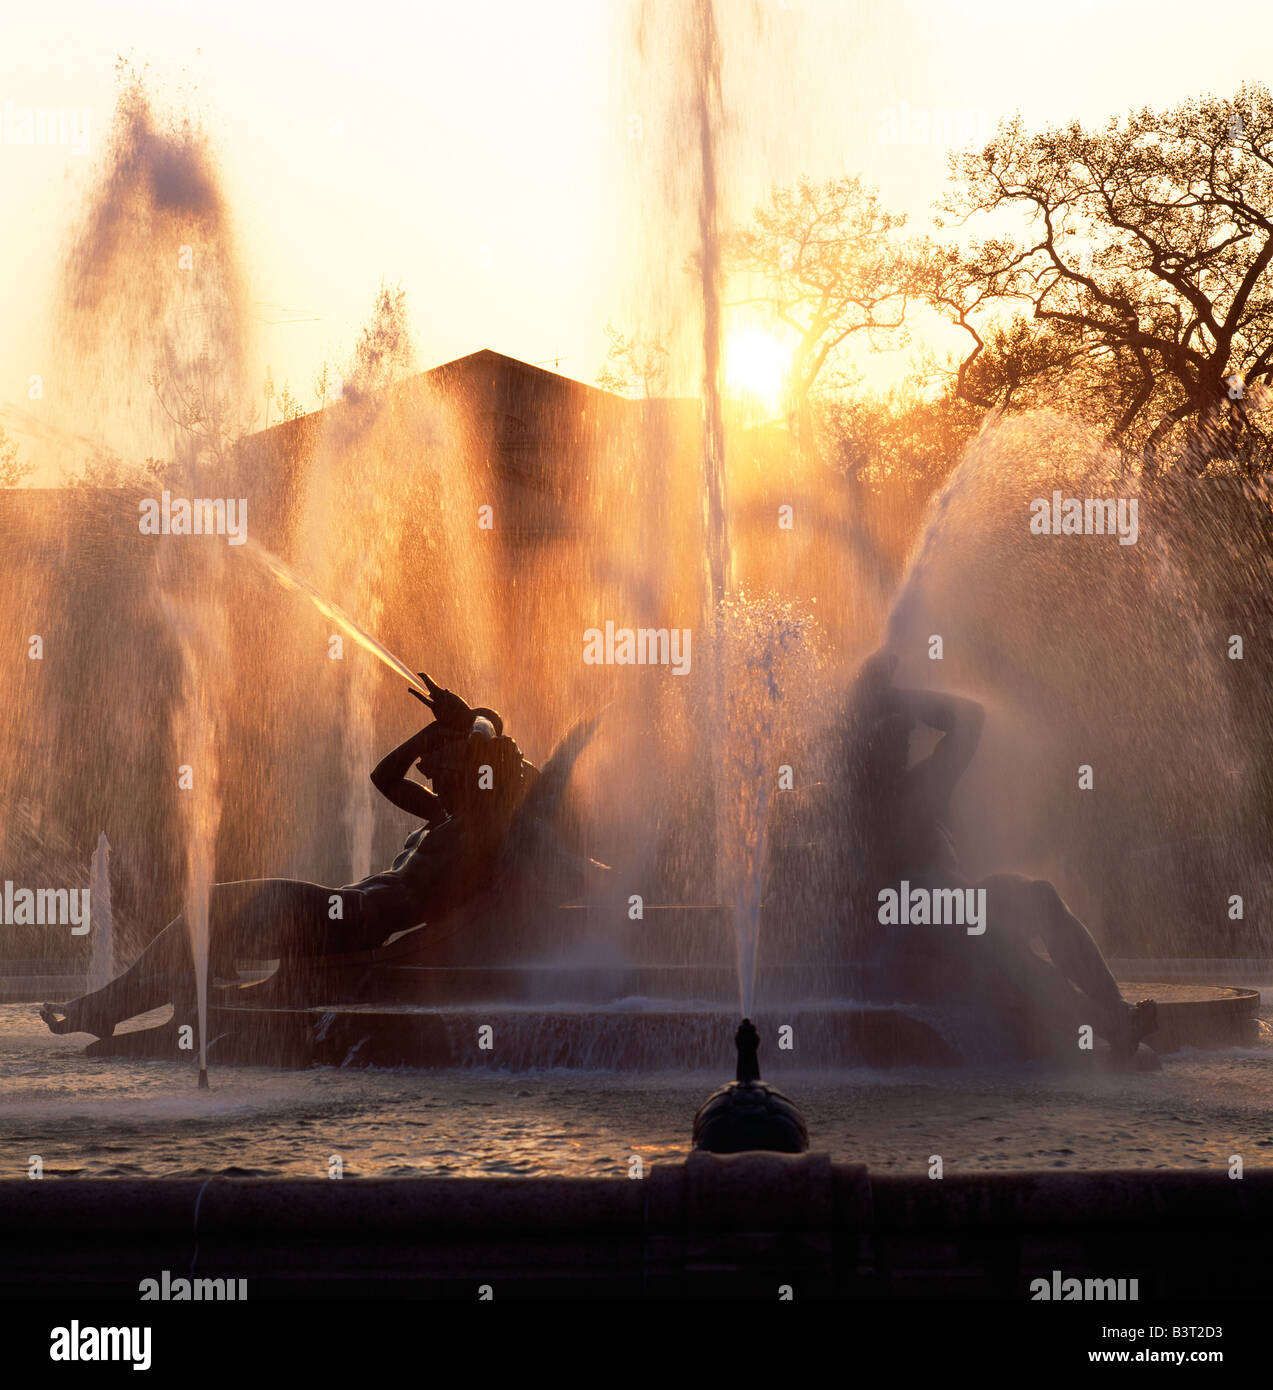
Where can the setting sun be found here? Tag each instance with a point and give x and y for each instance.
(756, 365)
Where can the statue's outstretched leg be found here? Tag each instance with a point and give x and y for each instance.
(1023, 904)
(153, 980)
(255, 919)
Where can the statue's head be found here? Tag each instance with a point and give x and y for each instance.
(475, 769)
(473, 765)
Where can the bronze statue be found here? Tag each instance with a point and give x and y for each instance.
(484, 812)
(901, 813)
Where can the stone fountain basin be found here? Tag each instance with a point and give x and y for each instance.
(442, 1026)
(661, 1037)
(1202, 1016)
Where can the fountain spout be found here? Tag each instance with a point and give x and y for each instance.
(748, 1114)
(747, 1041)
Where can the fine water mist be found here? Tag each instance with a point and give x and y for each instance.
(151, 322)
(1089, 653)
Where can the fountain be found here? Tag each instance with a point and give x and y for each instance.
(725, 892)
(668, 603)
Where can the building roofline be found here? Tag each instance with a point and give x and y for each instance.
(484, 357)
(488, 356)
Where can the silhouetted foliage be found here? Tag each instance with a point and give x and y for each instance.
(12, 470)
(831, 268)
(1142, 279)
(634, 365)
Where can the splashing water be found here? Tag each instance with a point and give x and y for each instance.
(758, 647)
(706, 60)
(101, 924)
(1070, 655)
(356, 472)
(152, 347)
(642, 515)
(764, 656)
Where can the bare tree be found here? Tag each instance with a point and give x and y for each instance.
(831, 268)
(634, 365)
(1144, 267)
(384, 353)
(289, 408)
(12, 471)
(107, 469)
(202, 407)
(326, 383)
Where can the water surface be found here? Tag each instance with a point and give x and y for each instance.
(124, 1118)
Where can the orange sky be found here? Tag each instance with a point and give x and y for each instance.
(481, 153)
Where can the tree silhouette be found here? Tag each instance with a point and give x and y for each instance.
(1143, 272)
(634, 365)
(11, 470)
(831, 268)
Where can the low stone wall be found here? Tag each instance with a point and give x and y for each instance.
(751, 1225)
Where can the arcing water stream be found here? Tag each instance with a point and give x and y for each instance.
(293, 582)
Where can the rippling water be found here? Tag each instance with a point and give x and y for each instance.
(133, 1118)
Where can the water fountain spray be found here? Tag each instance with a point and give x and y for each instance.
(708, 116)
(295, 584)
(747, 640)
